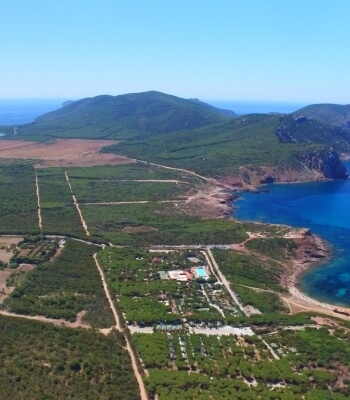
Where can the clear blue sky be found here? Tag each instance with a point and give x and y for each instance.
(265, 50)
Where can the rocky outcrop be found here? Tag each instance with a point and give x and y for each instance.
(314, 165)
(325, 161)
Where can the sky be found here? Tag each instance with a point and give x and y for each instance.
(252, 50)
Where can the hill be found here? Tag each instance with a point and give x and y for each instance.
(333, 114)
(190, 134)
(225, 112)
(283, 143)
(124, 116)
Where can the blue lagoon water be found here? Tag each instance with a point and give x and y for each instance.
(324, 207)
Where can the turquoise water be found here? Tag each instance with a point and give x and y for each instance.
(201, 272)
(324, 207)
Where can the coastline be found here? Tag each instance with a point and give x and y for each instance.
(313, 252)
(216, 200)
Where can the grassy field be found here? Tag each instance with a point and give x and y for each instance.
(40, 361)
(64, 287)
(18, 206)
(58, 212)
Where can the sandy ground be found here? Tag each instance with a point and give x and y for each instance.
(62, 152)
(208, 201)
(5, 274)
(7, 241)
(226, 330)
(57, 322)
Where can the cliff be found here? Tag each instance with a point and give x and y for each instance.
(316, 165)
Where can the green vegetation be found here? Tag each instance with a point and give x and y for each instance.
(151, 223)
(317, 348)
(230, 367)
(93, 191)
(40, 361)
(249, 270)
(18, 206)
(129, 172)
(59, 215)
(122, 117)
(35, 250)
(265, 302)
(64, 287)
(333, 114)
(147, 299)
(219, 150)
(276, 248)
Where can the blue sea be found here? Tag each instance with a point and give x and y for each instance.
(21, 111)
(324, 207)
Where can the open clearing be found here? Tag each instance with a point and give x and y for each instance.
(62, 152)
(5, 243)
(5, 291)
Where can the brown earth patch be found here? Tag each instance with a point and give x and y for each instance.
(6, 242)
(139, 229)
(6, 273)
(62, 152)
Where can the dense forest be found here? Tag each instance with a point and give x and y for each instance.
(40, 361)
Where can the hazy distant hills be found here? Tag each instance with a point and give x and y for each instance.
(125, 116)
(333, 114)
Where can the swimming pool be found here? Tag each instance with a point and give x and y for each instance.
(201, 272)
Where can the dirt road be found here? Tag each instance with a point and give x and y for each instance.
(38, 196)
(57, 322)
(77, 206)
(138, 376)
(224, 281)
(211, 180)
(108, 295)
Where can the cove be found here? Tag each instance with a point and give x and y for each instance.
(324, 207)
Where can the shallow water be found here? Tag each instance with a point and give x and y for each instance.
(324, 207)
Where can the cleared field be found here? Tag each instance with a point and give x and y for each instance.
(59, 215)
(144, 224)
(7, 244)
(62, 152)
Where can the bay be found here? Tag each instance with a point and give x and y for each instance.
(324, 207)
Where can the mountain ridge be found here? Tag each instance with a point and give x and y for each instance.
(124, 116)
(333, 114)
(187, 133)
